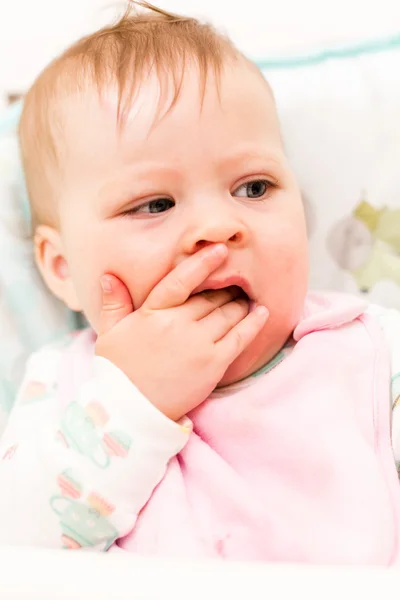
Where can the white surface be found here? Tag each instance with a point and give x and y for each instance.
(33, 575)
(31, 33)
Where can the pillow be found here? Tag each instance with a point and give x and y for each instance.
(29, 315)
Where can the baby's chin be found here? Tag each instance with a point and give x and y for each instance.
(253, 358)
(261, 351)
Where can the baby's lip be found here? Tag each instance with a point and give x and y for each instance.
(223, 282)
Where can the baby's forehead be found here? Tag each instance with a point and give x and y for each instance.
(96, 114)
(158, 95)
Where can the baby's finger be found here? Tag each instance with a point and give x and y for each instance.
(240, 336)
(177, 286)
(116, 303)
(221, 320)
(203, 304)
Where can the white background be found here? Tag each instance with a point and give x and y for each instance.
(33, 31)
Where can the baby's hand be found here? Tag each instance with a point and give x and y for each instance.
(176, 348)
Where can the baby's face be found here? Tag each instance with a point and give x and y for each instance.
(137, 203)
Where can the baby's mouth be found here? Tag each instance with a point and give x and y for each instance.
(237, 292)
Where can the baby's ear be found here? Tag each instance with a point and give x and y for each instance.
(50, 259)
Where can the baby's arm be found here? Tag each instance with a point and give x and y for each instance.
(78, 476)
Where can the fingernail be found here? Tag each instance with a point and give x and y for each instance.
(106, 284)
(219, 250)
(262, 311)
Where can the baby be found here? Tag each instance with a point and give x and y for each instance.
(213, 408)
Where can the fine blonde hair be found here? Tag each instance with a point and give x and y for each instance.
(121, 54)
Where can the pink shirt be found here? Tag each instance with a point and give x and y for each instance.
(294, 465)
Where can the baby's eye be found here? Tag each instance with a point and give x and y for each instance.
(159, 205)
(252, 189)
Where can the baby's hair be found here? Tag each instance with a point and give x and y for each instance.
(121, 55)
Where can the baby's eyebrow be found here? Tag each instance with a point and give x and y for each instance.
(142, 172)
(251, 153)
(136, 175)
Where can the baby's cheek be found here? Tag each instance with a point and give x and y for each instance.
(286, 265)
(89, 293)
(85, 272)
(94, 307)
(286, 281)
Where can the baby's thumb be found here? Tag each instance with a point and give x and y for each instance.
(116, 303)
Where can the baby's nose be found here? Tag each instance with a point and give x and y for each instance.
(213, 231)
(213, 239)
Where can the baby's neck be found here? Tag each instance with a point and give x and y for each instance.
(263, 370)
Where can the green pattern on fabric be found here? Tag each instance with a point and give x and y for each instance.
(347, 52)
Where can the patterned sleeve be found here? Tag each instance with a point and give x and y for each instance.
(78, 476)
(389, 320)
